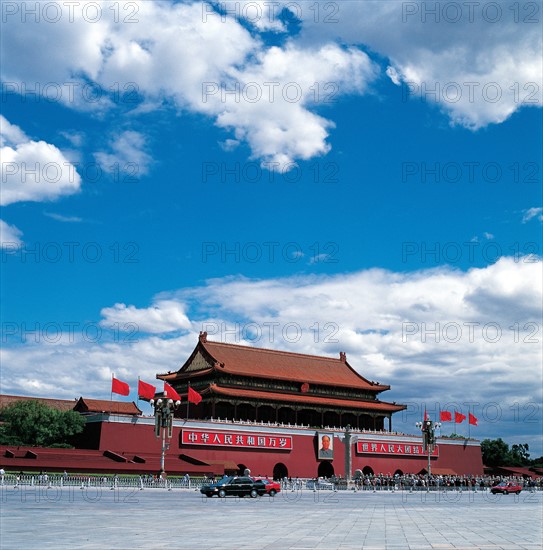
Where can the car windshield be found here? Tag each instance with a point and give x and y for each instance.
(225, 480)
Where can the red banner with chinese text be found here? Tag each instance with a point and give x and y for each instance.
(236, 440)
(392, 448)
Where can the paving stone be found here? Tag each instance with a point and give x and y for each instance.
(155, 518)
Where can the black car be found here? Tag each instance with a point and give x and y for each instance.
(234, 486)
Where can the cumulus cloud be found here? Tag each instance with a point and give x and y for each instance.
(163, 316)
(10, 134)
(479, 67)
(480, 63)
(10, 236)
(127, 154)
(33, 170)
(197, 59)
(533, 213)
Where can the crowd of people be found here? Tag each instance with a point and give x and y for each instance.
(441, 482)
(413, 482)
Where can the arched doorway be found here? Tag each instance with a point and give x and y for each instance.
(326, 469)
(280, 471)
(367, 471)
(398, 473)
(241, 469)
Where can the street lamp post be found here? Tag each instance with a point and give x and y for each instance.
(348, 440)
(164, 410)
(428, 429)
(348, 459)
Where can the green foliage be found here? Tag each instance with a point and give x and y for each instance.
(519, 455)
(496, 452)
(33, 423)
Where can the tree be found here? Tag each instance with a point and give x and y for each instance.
(496, 452)
(33, 423)
(519, 455)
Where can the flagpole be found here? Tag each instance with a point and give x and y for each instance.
(188, 400)
(138, 392)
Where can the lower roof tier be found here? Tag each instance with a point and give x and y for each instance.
(265, 397)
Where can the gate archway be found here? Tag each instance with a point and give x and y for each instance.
(280, 471)
(326, 469)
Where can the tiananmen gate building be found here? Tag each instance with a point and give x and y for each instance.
(242, 383)
(276, 413)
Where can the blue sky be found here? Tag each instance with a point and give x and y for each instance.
(371, 167)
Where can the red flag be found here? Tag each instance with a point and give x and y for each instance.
(425, 415)
(459, 417)
(445, 416)
(122, 388)
(171, 393)
(146, 391)
(194, 396)
(472, 419)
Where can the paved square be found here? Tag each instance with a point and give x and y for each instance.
(94, 517)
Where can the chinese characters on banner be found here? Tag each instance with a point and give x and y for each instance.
(236, 439)
(392, 448)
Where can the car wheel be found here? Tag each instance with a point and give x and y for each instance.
(518, 492)
(222, 493)
(209, 496)
(253, 493)
(272, 492)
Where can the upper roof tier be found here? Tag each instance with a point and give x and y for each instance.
(271, 364)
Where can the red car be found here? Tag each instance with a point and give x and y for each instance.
(506, 487)
(272, 487)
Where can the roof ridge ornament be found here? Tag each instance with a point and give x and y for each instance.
(203, 336)
(342, 356)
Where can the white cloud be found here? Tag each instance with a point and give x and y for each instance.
(532, 213)
(229, 144)
(10, 134)
(127, 155)
(163, 316)
(482, 71)
(75, 138)
(393, 75)
(478, 65)
(10, 236)
(64, 219)
(263, 95)
(195, 72)
(288, 81)
(33, 170)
